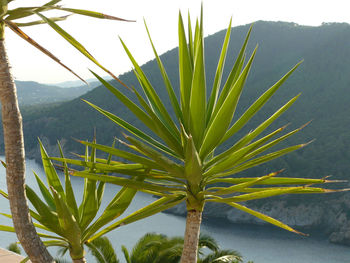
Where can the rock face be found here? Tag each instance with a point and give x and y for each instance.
(329, 217)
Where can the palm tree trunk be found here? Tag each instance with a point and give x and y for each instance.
(193, 223)
(15, 160)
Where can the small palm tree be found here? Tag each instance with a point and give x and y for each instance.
(68, 225)
(11, 116)
(14, 248)
(102, 249)
(222, 256)
(158, 248)
(179, 160)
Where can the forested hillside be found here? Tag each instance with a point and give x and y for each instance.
(323, 79)
(33, 93)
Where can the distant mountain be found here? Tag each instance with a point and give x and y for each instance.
(323, 79)
(77, 83)
(32, 93)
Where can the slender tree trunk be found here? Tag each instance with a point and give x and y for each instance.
(193, 224)
(15, 160)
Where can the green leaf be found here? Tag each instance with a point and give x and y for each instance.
(92, 14)
(154, 208)
(269, 145)
(71, 201)
(229, 153)
(35, 224)
(12, 229)
(51, 174)
(152, 96)
(185, 72)
(166, 80)
(198, 96)
(70, 39)
(22, 12)
(45, 192)
(126, 254)
(101, 185)
(143, 187)
(218, 74)
(69, 225)
(52, 2)
(47, 216)
(232, 159)
(271, 181)
(193, 166)
(56, 243)
(264, 217)
(115, 209)
(222, 116)
(77, 45)
(259, 193)
(239, 187)
(257, 105)
(167, 164)
(300, 190)
(101, 166)
(260, 160)
(160, 128)
(235, 72)
(89, 205)
(31, 41)
(7, 228)
(263, 126)
(139, 113)
(4, 194)
(25, 260)
(190, 40)
(102, 250)
(130, 128)
(125, 155)
(39, 22)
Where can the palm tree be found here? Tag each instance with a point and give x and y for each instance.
(13, 247)
(154, 248)
(179, 161)
(12, 120)
(102, 249)
(71, 226)
(158, 248)
(222, 256)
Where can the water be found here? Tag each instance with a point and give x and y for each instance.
(260, 244)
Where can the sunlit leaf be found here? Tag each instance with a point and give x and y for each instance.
(19, 32)
(40, 22)
(77, 45)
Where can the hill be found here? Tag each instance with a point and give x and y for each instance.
(323, 79)
(32, 93)
(76, 83)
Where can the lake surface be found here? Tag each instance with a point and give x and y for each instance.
(257, 243)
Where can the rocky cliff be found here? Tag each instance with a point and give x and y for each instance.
(329, 217)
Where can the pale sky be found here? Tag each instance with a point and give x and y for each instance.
(100, 37)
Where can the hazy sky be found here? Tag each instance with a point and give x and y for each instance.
(100, 37)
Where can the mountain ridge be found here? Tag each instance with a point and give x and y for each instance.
(33, 93)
